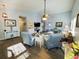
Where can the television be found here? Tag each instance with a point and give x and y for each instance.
(36, 24)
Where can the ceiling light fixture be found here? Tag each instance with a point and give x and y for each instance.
(4, 14)
(45, 16)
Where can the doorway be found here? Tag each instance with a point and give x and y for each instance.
(22, 24)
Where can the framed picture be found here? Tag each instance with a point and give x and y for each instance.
(77, 21)
(10, 23)
(59, 24)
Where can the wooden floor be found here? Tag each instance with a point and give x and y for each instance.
(43, 53)
(40, 53)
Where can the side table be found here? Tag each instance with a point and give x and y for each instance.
(39, 40)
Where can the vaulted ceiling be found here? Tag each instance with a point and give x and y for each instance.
(53, 6)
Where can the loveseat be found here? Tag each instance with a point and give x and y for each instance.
(53, 40)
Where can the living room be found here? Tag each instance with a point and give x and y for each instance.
(25, 19)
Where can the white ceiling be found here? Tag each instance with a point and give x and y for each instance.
(53, 6)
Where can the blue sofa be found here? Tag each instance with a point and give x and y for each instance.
(54, 41)
(27, 38)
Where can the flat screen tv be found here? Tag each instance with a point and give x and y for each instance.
(36, 24)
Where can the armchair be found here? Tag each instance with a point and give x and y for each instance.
(27, 38)
(54, 41)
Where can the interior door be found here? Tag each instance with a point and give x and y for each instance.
(22, 23)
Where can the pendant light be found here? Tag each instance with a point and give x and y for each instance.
(45, 16)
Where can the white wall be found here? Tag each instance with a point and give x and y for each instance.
(75, 11)
(15, 31)
(75, 8)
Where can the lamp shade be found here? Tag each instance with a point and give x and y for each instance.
(45, 17)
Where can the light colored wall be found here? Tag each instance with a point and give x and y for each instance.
(75, 11)
(75, 8)
(53, 18)
(36, 17)
(62, 17)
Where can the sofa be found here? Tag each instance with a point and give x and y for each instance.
(53, 40)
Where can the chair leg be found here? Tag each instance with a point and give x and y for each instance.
(40, 44)
(35, 43)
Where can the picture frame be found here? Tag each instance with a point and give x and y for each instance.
(59, 24)
(9, 22)
(77, 21)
